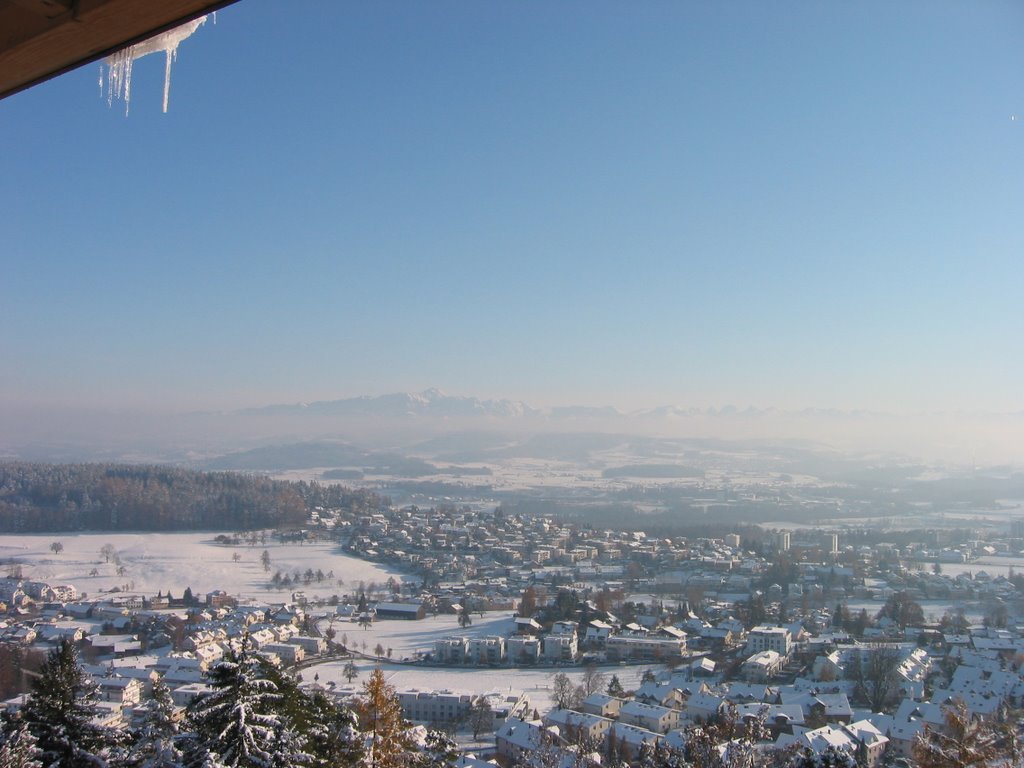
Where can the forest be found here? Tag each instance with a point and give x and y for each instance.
(37, 497)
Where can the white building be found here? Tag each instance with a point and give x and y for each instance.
(561, 647)
(765, 638)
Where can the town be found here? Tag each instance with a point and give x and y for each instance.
(620, 641)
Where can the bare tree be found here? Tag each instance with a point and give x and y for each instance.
(481, 716)
(593, 680)
(875, 672)
(562, 690)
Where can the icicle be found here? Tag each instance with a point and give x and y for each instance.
(119, 65)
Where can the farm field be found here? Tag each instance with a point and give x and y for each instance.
(154, 562)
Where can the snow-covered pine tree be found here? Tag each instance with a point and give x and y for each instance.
(238, 722)
(154, 743)
(438, 750)
(331, 733)
(830, 757)
(60, 712)
(19, 749)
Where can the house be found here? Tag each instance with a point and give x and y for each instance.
(122, 690)
(526, 626)
(311, 645)
(830, 707)
(603, 705)
(516, 738)
(664, 694)
(631, 739)
(762, 666)
(576, 726)
(184, 695)
(703, 706)
(288, 653)
(218, 598)
(597, 634)
(649, 716)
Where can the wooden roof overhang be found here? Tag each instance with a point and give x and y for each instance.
(40, 39)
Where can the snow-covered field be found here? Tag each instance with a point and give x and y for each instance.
(173, 561)
(535, 682)
(405, 638)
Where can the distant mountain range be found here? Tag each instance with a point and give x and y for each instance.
(361, 431)
(431, 403)
(435, 404)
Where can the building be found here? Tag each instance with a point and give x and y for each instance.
(406, 611)
(782, 541)
(517, 738)
(637, 648)
(603, 705)
(289, 654)
(486, 650)
(452, 650)
(577, 726)
(649, 716)
(766, 638)
(763, 666)
(523, 649)
(435, 706)
(561, 647)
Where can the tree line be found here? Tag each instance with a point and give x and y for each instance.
(36, 497)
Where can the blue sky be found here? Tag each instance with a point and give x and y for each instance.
(778, 204)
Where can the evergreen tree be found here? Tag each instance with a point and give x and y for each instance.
(615, 687)
(333, 733)
(20, 748)
(60, 710)
(837, 617)
(238, 722)
(830, 757)
(154, 745)
(438, 751)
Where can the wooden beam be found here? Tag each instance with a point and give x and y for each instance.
(39, 42)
